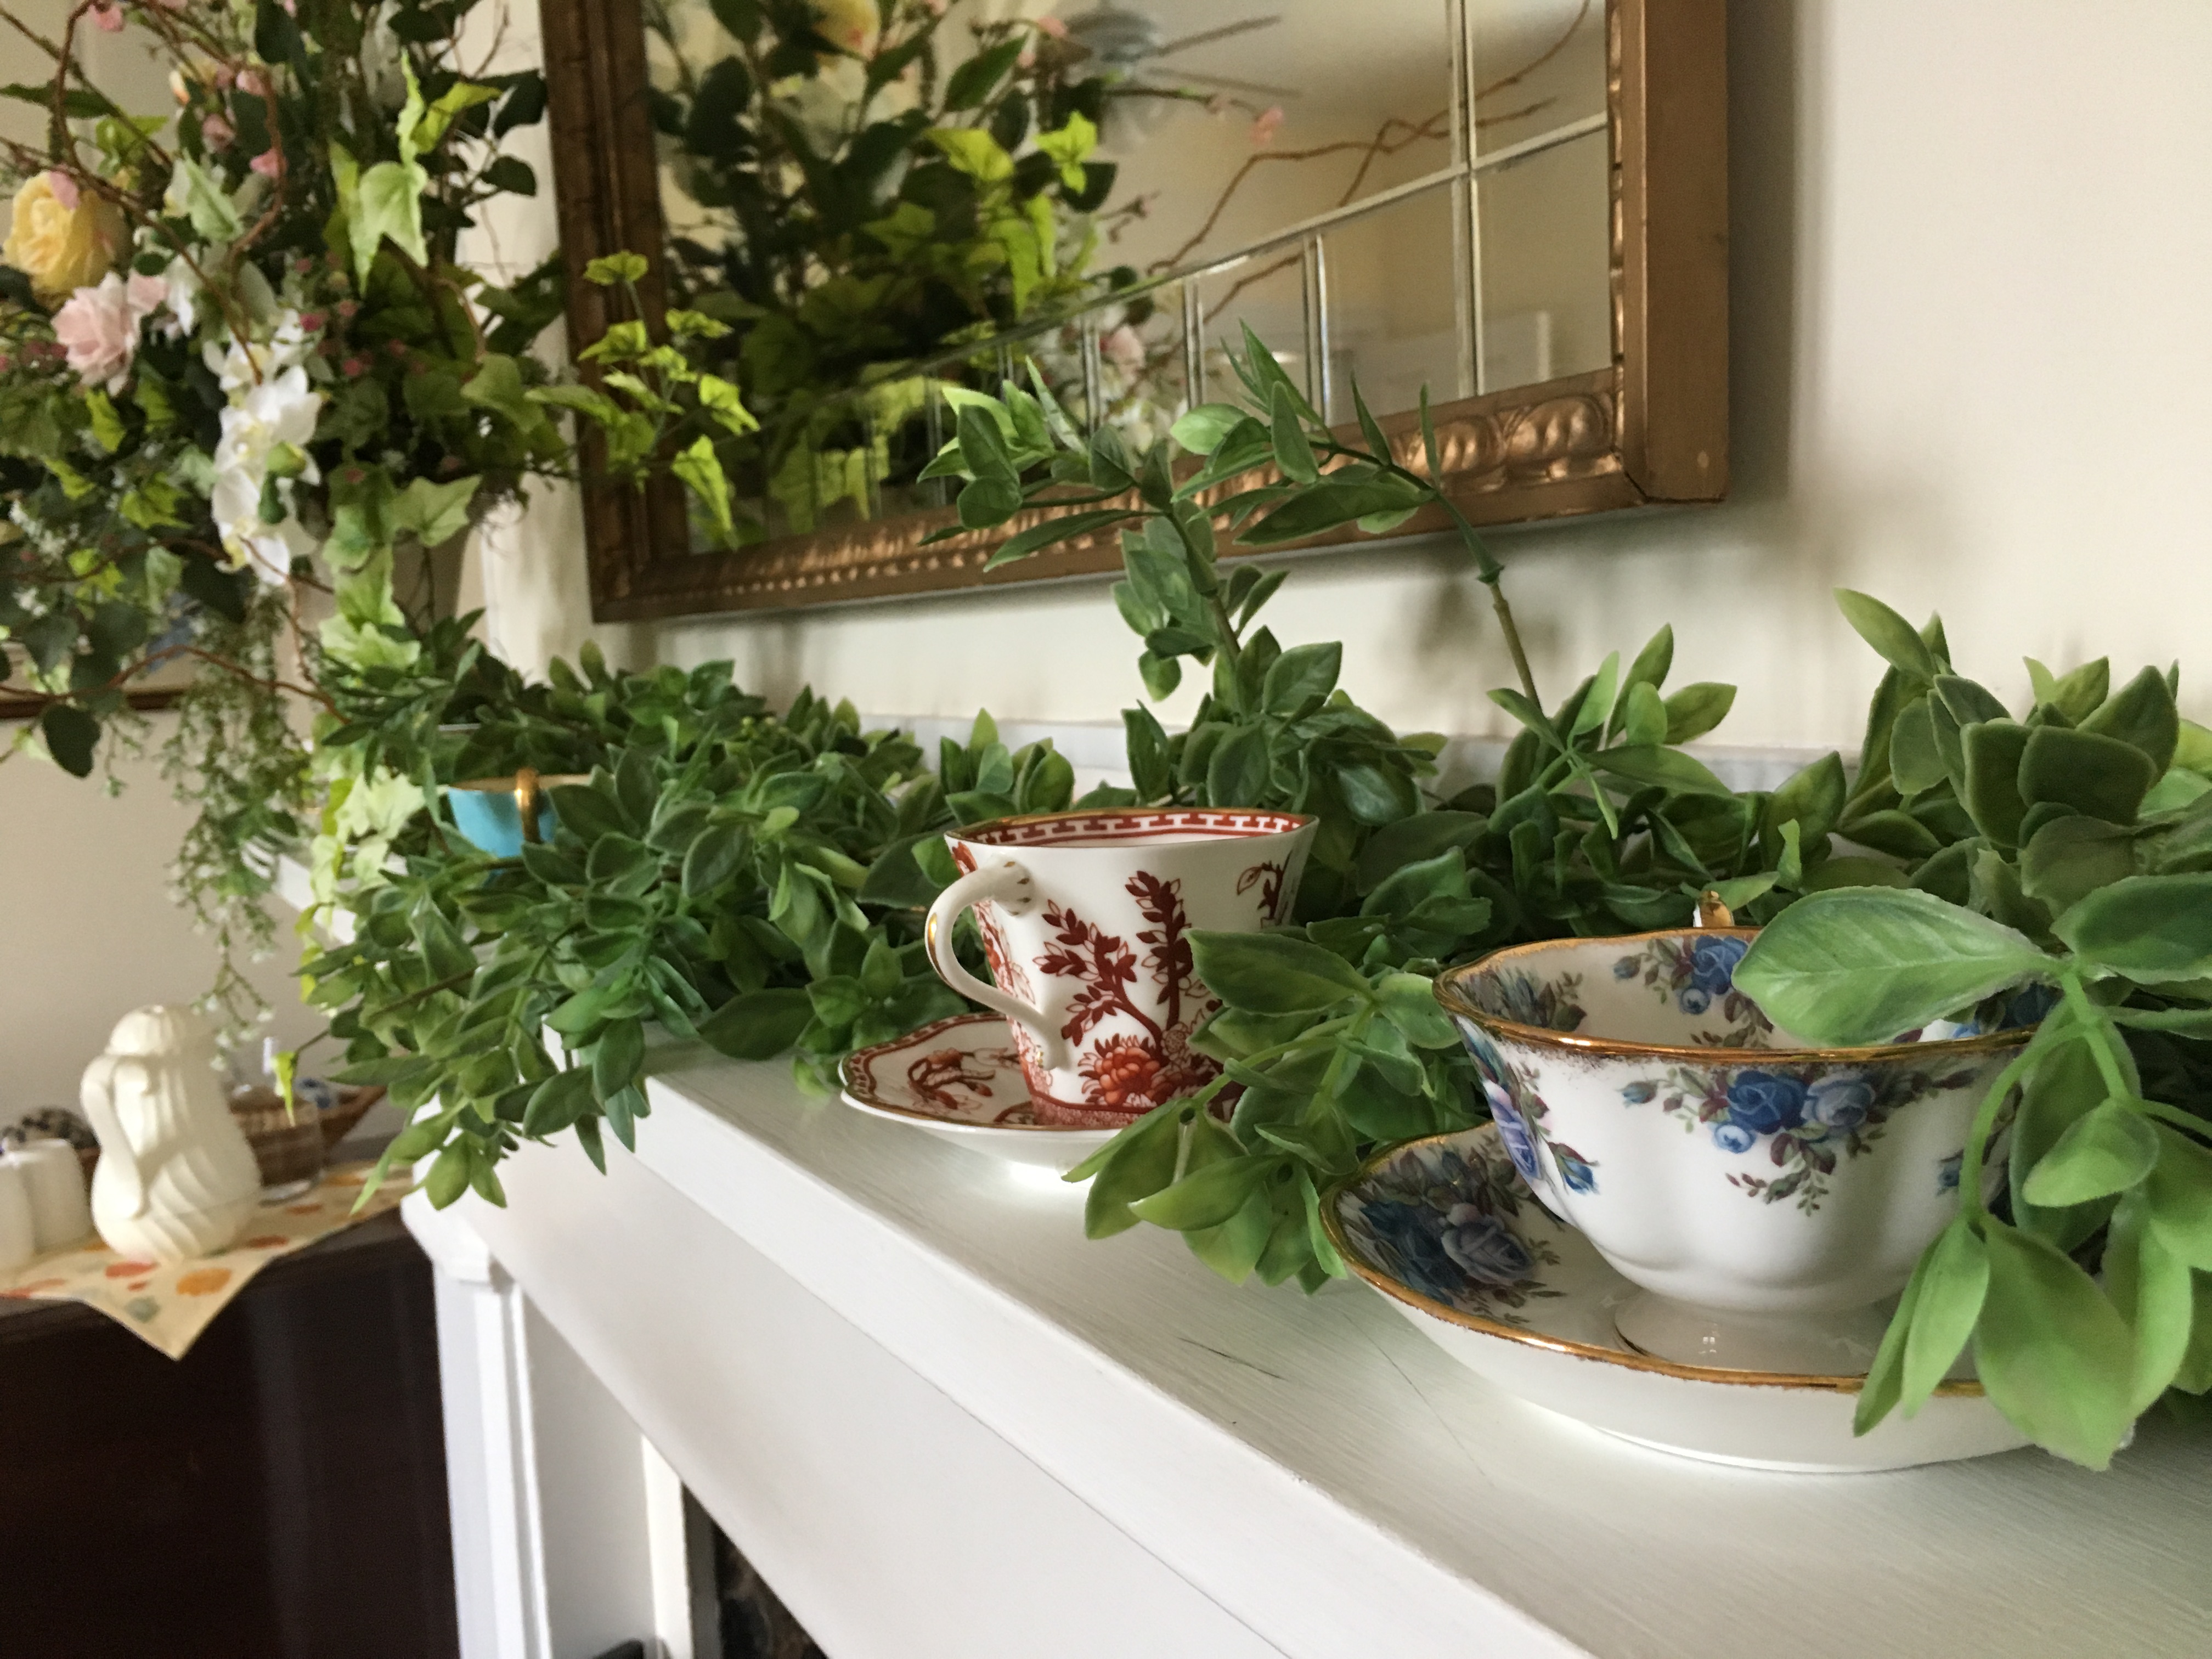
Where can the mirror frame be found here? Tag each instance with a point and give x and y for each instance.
(1652, 429)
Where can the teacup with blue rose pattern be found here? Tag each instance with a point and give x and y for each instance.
(1769, 1197)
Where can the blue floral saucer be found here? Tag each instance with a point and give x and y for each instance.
(1448, 1229)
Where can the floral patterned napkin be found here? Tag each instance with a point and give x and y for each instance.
(170, 1306)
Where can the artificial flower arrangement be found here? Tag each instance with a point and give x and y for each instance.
(248, 388)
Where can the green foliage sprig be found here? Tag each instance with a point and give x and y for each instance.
(1598, 823)
(2082, 868)
(724, 876)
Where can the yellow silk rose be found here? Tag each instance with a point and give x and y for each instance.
(61, 248)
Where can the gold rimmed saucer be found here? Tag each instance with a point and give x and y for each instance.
(1447, 1230)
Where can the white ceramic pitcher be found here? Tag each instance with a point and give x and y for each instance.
(176, 1178)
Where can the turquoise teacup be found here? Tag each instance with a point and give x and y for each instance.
(490, 812)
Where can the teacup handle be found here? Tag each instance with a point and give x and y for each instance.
(1008, 883)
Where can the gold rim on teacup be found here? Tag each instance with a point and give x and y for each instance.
(1456, 1001)
(1262, 820)
(1333, 1224)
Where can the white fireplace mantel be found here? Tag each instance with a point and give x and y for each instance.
(941, 1423)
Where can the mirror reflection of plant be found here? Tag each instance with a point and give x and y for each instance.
(873, 186)
(2074, 893)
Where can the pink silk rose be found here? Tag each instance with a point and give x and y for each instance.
(98, 327)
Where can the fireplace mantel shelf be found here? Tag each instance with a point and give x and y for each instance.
(1317, 1471)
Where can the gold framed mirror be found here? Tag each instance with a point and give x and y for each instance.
(1520, 203)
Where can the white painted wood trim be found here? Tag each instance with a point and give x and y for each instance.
(1316, 1469)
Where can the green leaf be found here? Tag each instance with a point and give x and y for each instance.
(971, 84)
(2180, 1193)
(1235, 1247)
(1898, 640)
(1994, 770)
(1304, 674)
(1915, 762)
(1697, 708)
(757, 1024)
(2141, 714)
(1408, 1001)
(449, 1175)
(1950, 1302)
(700, 471)
(461, 96)
(2151, 928)
(1136, 1163)
(1293, 451)
(2100, 776)
(389, 204)
(618, 1057)
(1236, 773)
(432, 514)
(971, 150)
(1669, 769)
(1201, 429)
(1885, 1381)
(1644, 721)
(714, 857)
(2150, 1286)
(1273, 973)
(1812, 798)
(1064, 528)
(611, 268)
(2108, 1149)
(2070, 858)
(1858, 965)
(2053, 1354)
(1209, 1196)
(1595, 711)
(1325, 505)
(559, 1102)
(72, 736)
(2064, 1086)
(197, 194)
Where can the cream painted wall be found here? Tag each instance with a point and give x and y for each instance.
(1973, 256)
(86, 925)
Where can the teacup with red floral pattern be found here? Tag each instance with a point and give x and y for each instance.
(1086, 919)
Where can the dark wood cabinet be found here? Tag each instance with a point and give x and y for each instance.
(278, 1494)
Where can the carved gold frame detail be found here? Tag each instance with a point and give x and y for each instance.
(1649, 430)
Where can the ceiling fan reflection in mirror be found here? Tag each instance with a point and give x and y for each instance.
(1137, 50)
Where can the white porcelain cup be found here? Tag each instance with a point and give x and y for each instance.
(53, 1180)
(18, 1236)
(1767, 1195)
(1085, 917)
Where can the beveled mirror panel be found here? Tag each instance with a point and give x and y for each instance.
(1519, 204)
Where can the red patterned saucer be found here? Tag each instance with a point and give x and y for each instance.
(961, 1079)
